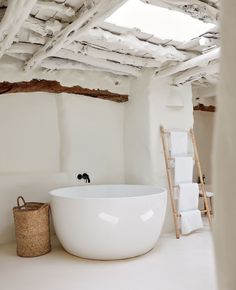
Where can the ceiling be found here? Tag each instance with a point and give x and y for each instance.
(72, 34)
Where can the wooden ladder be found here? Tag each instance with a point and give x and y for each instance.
(168, 159)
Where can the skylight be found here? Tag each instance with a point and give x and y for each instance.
(161, 22)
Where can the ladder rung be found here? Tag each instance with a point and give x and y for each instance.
(172, 158)
(199, 184)
(168, 132)
(202, 211)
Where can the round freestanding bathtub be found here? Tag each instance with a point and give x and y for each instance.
(108, 222)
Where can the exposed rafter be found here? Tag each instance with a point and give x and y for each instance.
(87, 20)
(29, 48)
(56, 63)
(140, 35)
(72, 34)
(16, 13)
(55, 7)
(195, 73)
(53, 63)
(123, 58)
(41, 27)
(202, 42)
(116, 57)
(130, 44)
(201, 60)
(102, 63)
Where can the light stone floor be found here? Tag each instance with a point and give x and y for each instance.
(185, 264)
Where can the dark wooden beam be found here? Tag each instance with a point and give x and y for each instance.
(201, 107)
(55, 87)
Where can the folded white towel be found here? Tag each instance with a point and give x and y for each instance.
(209, 194)
(183, 170)
(190, 221)
(188, 196)
(178, 143)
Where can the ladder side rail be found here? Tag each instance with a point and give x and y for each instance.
(170, 183)
(202, 185)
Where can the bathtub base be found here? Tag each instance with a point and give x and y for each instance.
(109, 222)
(111, 257)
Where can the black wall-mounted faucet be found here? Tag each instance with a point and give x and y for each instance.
(84, 176)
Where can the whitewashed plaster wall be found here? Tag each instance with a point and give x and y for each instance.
(47, 139)
(153, 103)
(203, 129)
(204, 95)
(92, 139)
(114, 143)
(224, 157)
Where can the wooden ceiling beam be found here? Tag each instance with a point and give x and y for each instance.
(98, 62)
(16, 13)
(196, 73)
(129, 43)
(90, 18)
(204, 108)
(200, 60)
(55, 87)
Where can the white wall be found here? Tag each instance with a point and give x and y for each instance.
(203, 129)
(153, 103)
(92, 138)
(138, 162)
(224, 173)
(47, 139)
(29, 133)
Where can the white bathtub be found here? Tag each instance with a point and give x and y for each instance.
(108, 222)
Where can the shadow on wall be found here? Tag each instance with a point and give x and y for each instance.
(203, 129)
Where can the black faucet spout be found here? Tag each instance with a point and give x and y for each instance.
(84, 176)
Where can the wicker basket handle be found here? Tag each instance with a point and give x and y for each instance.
(18, 201)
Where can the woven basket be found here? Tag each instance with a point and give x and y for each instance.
(32, 228)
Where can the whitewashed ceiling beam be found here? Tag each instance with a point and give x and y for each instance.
(120, 30)
(73, 31)
(201, 60)
(16, 13)
(24, 48)
(211, 38)
(53, 64)
(130, 44)
(126, 59)
(195, 74)
(88, 3)
(102, 63)
(20, 56)
(41, 27)
(55, 7)
(122, 58)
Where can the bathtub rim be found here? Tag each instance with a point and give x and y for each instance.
(53, 191)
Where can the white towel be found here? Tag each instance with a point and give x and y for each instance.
(178, 143)
(188, 196)
(183, 170)
(190, 221)
(209, 194)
